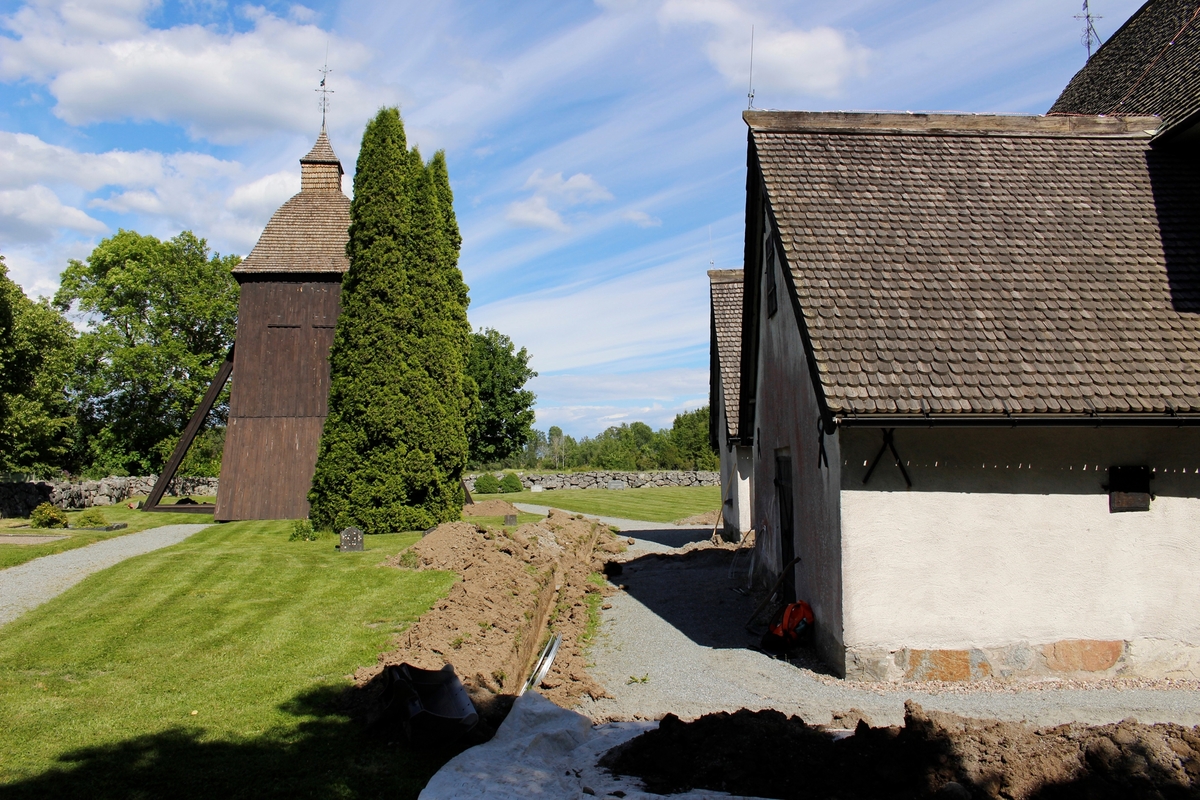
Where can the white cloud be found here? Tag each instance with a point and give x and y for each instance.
(641, 219)
(26, 159)
(577, 189)
(259, 199)
(537, 211)
(36, 214)
(786, 59)
(109, 65)
(647, 315)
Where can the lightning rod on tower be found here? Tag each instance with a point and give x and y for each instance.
(750, 93)
(1089, 35)
(325, 70)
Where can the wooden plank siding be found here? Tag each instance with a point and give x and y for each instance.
(280, 395)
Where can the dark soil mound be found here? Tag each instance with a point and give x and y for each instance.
(766, 754)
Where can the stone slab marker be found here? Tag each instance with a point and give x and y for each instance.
(352, 540)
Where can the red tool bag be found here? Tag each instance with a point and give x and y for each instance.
(790, 628)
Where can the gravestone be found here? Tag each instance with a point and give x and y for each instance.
(617, 485)
(352, 540)
(510, 519)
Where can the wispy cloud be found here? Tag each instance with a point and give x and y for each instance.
(535, 212)
(538, 210)
(786, 58)
(641, 219)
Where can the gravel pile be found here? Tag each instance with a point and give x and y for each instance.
(28, 585)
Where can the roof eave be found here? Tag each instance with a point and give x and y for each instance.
(1039, 420)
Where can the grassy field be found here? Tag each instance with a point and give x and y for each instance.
(13, 554)
(651, 503)
(211, 669)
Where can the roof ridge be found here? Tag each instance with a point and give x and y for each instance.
(725, 275)
(952, 124)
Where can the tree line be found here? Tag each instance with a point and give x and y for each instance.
(160, 316)
(101, 379)
(157, 319)
(632, 446)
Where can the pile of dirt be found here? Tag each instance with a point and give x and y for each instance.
(766, 754)
(707, 519)
(518, 588)
(489, 508)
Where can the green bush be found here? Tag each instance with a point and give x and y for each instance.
(487, 484)
(48, 516)
(302, 531)
(510, 483)
(92, 518)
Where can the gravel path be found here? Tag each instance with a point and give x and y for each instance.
(28, 585)
(678, 625)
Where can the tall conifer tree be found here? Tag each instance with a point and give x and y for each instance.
(395, 444)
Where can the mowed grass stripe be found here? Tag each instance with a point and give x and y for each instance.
(649, 503)
(254, 632)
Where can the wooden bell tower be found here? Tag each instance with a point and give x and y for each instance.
(291, 286)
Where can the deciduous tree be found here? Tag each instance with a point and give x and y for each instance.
(502, 425)
(36, 423)
(161, 317)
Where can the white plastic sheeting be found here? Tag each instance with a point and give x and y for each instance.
(543, 751)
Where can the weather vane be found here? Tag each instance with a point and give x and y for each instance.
(1089, 34)
(325, 70)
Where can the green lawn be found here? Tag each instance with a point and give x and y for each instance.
(651, 503)
(211, 669)
(13, 554)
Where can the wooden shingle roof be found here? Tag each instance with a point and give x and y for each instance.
(984, 265)
(725, 286)
(1151, 65)
(308, 234)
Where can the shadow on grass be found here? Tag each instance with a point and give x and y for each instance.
(330, 754)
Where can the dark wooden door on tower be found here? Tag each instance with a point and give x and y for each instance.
(279, 399)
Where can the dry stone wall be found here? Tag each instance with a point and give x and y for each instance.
(18, 499)
(609, 480)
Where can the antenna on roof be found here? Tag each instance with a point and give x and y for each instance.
(1089, 34)
(750, 93)
(325, 70)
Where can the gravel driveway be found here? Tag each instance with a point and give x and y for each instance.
(28, 585)
(673, 641)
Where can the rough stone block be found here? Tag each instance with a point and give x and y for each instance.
(1082, 655)
(946, 665)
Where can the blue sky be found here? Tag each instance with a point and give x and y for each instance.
(596, 149)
